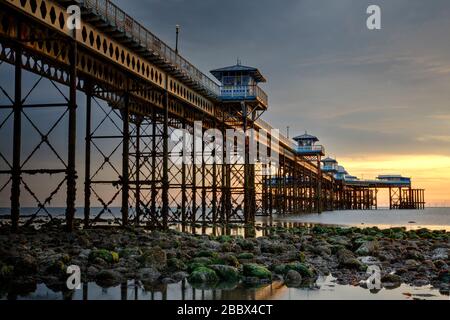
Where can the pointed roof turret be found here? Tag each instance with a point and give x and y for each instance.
(306, 136)
(251, 71)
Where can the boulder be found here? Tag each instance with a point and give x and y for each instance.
(293, 278)
(414, 254)
(246, 244)
(175, 264)
(6, 272)
(245, 256)
(439, 254)
(108, 278)
(347, 259)
(228, 259)
(274, 247)
(180, 275)
(339, 240)
(153, 257)
(444, 276)
(92, 271)
(56, 268)
(203, 275)
(367, 248)
(320, 249)
(148, 274)
(214, 245)
(369, 260)
(411, 264)
(84, 254)
(226, 273)
(168, 280)
(256, 270)
(25, 265)
(105, 255)
(440, 264)
(299, 267)
(391, 281)
(207, 253)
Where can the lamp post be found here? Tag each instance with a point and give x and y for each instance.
(177, 27)
(287, 131)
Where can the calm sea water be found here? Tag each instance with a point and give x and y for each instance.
(431, 218)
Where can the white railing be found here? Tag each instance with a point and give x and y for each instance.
(309, 149)
(329, 168)
(252, 91)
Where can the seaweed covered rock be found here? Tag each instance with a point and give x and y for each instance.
(347, 259)
(245, 256)
(175, 264)
(105, 255)
(367, 248)
(226, 273)
(273, 247)
(203, 275)
(6, 272)
(153, 257)
(299, 267)
(257, 271)
(108, 278)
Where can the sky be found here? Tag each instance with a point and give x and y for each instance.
(377, 99)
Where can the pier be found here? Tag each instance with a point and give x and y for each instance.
(138, 92)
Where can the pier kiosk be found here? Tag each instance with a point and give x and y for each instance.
(308, 148)
(242, 103)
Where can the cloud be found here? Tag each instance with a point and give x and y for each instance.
(427, 138)
(361, 92)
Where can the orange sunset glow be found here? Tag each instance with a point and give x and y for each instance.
(431, 172)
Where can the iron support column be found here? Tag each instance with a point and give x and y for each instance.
(153, 214)
(319, 186)
(214, 184)
(183, 175)
(165, 173)
(138, 172)
(17, 138)
(71, 171)
(194, 177)
(125, 159)
(87, 157)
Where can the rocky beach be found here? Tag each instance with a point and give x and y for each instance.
(296, 256)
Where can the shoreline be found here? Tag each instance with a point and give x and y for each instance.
(295, 256)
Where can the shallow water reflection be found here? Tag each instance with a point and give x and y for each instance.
(326, 289)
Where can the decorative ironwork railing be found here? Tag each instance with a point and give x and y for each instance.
(142, 36)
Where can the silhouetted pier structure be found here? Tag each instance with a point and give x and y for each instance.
(137, 93)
